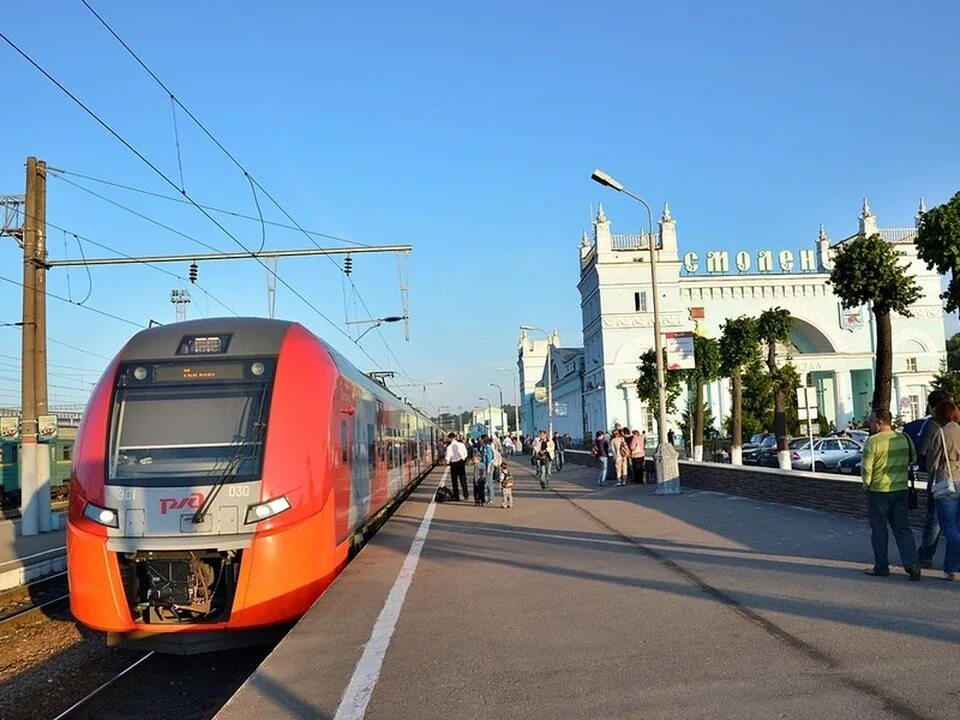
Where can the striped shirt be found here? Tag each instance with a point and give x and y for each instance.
(886, 460)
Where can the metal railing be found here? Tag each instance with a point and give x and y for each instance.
(630, 241)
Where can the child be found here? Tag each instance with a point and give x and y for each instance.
(506, 486)
(479, 484)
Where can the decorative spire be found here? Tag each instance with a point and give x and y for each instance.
(920, 212)
(823, 234)
(667, 217)
(866, 209)
(601, 218)
(585, 240)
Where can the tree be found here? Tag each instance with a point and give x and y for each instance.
(706, 354)
(953, 352)
(773, 326)
(867, 270)
(938, 244)
(947, 379)
(738, 346)
(647, 386)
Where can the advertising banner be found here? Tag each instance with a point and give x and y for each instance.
(679, 347)
(46, 428)
(9, 429)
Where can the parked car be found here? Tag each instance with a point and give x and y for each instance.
(770, 455)
(850, 465)
(827, 453)
(752, 453)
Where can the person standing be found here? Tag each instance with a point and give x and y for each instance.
(884, 468)
(487, 458)
(559, 446)
(601, 451)
(638, 451)
(671, 436)
(924, 432)
(621, 454)
(506, 486)
(456, 457)
(943, 459)
(543, 451)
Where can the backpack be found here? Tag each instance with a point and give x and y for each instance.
(443, 494)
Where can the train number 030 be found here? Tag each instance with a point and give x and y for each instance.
(238, 491)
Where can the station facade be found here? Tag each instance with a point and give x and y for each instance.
(831, 348)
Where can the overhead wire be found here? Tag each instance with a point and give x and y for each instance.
(123, 141)
(223, 149)
(211, 208)
(104, 313)
(78, 237)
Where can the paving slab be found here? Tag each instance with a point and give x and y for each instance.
(585, 602)
(24, 559)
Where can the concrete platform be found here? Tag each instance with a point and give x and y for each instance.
(25, 559)
(587, 602)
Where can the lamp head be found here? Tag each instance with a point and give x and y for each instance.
(527, 327)
(603, 178)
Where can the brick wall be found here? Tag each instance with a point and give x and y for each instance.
(837, 494)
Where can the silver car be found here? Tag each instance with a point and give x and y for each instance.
(827, 453)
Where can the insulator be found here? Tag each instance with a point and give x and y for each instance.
(193, 272)
(347, 265)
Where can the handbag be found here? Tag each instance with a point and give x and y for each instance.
(913, 499)
(944, 488)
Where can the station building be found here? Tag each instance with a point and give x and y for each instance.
(831, 348)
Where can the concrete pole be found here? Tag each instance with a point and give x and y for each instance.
(29, 510)
(40, 362)
(668, 470)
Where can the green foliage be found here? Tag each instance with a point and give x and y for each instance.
(947, 379)
(739, 343)
(867, 269)
(938, 244)
(757, 396)
(685, 422)
(647, 389)
(708, 364)
(774, 325)
(953, 352)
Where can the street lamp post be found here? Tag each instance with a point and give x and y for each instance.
(549, 379)
(516, 397)
(668, 470)
(501, 400)
(489, 414)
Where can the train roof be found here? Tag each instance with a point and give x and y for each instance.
(249, 336)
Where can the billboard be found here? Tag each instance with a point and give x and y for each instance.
(679, 346)
(46, 428)
(9, 429)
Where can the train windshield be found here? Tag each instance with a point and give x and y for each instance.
(162, 434)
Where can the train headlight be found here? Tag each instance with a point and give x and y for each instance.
(101, 515)
(268, 509)
(257, 368)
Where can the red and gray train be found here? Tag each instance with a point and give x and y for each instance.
(223, 472)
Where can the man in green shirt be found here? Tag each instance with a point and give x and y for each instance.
(887, 456)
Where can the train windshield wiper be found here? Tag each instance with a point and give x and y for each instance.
(245, 450)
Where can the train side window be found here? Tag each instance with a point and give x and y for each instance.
(344, 448)
(67, 452)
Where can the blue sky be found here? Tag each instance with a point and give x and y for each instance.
(469, 132)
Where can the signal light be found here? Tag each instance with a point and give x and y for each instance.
(193, 272)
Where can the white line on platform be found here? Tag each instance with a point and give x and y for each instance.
(353, 704)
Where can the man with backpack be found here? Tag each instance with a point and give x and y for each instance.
(922, 431)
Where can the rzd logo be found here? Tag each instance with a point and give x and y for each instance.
(193, 500)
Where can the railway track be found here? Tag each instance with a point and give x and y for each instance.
(49, 593)
(157, 687)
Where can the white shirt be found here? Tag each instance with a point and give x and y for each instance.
(456, 451)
